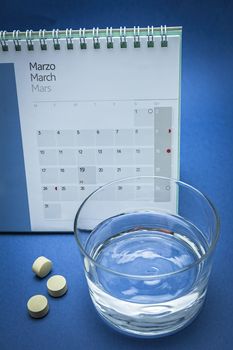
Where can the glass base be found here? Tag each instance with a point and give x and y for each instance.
(157, 327)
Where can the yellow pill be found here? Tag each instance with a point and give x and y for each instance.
(42, 266)
(38, 306)
(57, 286)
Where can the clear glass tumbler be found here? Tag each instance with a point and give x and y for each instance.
(147, 245)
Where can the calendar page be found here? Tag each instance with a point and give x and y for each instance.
(91, 116)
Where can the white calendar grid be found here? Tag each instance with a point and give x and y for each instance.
(73, 163)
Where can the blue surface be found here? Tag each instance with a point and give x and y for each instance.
(206, 162)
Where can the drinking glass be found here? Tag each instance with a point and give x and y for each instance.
(147, 245)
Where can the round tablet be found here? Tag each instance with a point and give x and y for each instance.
(42, 266)
(57, 286)
(38, 306)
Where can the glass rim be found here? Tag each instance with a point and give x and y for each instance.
(149, 277)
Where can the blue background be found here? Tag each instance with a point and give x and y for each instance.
(206, 163)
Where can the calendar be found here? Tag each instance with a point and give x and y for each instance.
(91, 115)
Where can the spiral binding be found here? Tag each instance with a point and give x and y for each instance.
(16, 40)
(69, 42)
(29, 39)
(150, 36)
(55, 36)
(109, 38)
(164, 42)
(42, 39)
(136, 37)
(82, 38)
(3, 41)
(73, 36)
(95, 35)
(123, 40)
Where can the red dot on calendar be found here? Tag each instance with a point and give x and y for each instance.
(168, 150)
